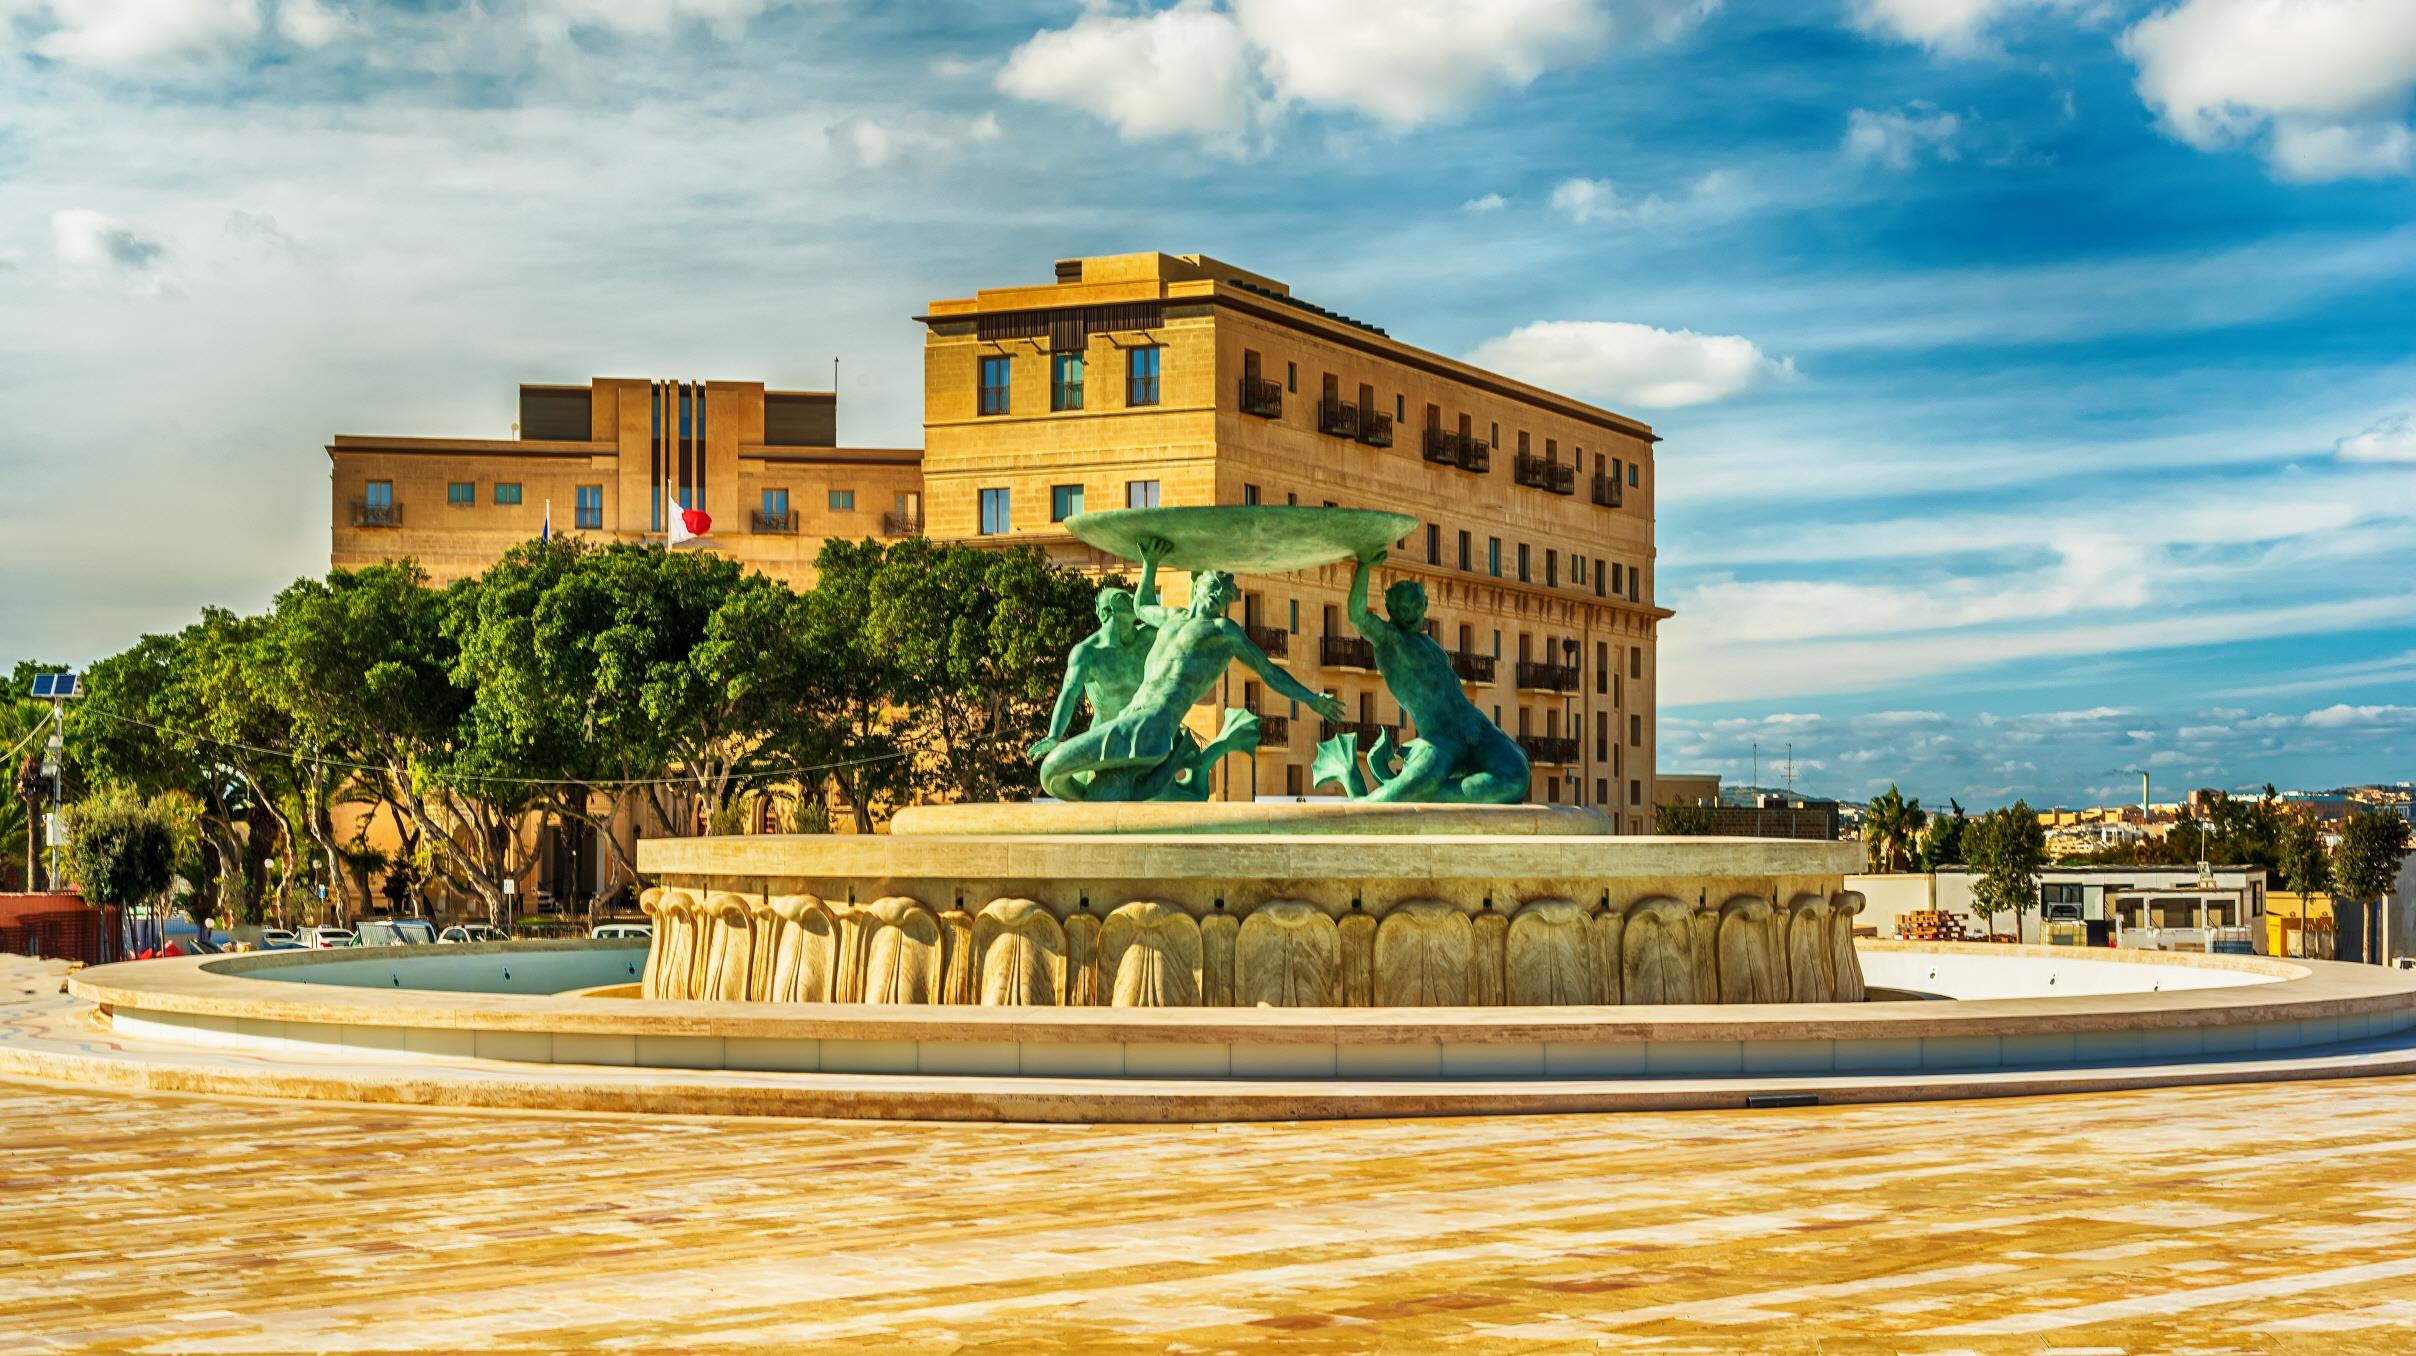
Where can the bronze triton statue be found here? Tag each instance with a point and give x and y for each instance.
(1141, 751)
(1458, 756)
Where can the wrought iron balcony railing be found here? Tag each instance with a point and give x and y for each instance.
(1545, 475)
(1345, 652)
(760, 521)
(1262, 397)
(902, 524)
(1476, 455)
(1542, 677)
(1609, 491)
(1272, 639)
(1375, 428)
(1274, 730)
(1472, 666)
(1549, 748)
(1366, 730)
(389, 514)
(1338, 418)
(1441, 446)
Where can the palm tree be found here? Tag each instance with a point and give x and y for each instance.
(1891, 825)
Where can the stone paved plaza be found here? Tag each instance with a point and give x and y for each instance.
(2249, 1218)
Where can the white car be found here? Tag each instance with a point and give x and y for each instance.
(276, 939)
(324, 939)
(473, 932)
(622, 930)
(396, 932)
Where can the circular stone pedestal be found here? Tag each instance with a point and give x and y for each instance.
(1270, 817)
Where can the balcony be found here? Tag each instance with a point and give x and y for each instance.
(1609, 491)
(1442, 447)
(1476, 455)
(1262, 397)
(1338, 418)
(901, 524)
(1472, 666)
(1366, 730)
(1534, 676)
(1548, 748)
(1273, 640)
(1375, 428)
(1345, 652)
(760, 521)
(1274, 731)
(1549, 476)
(389, 514)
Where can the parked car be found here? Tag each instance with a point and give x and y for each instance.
(395, 932)
(473, 932)
(276, 939)
(622, 930)
(323, 939)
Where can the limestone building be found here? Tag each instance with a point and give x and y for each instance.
(1136, 380)
(1152, 379)
(763, 464)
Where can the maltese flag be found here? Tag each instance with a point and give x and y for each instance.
(689, 524)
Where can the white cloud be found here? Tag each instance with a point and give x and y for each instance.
(1218, 70)
(1629, 364)
(123, 35)
(646, 17)
(2363, 151)
(1491, 202)
(1183, 71)
(2324, 81)
(954, 67)
(1589, 201)
(1896, 137)
(877, 144)
(309, 23)
(87, 240)
(1955, 26)
(2390, 438)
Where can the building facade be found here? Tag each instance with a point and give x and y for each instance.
(600, 458)
(1135, 380)
(1158, 380)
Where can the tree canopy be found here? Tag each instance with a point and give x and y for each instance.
(2008, 846)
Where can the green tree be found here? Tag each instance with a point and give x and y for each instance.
(2008, 846)
(121, 848)
(1942, 845)
(1684, 821)
(1890, 827)
(975, 643)
(850, 684)
(2365, 868)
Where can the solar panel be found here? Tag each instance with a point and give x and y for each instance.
(58, 686)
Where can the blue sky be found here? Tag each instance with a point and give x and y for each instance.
(2036, 375)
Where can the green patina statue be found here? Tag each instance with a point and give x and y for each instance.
(1140, 750)
(1106, 667)
(1459, 756)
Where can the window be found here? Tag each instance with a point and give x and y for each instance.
(1602, 667)
(1497, 655)
(1599, 575)
(776, 505)
(1141, 375)
(1635, 793)
(1400, 409)
(1522, 563)
(1434, 544)
(1635, 731)
(841, 501)
(1249, 494)
(1292, 378)
(1602, 791)
(1551, 568)
(994, 512)
(1290, 498)
(1064, 502)
(1140, 494)
(1065, 381)
(1294, 604)
(1493, 556)
(1635, 663)
(996, 374)
(379, 494)
(1631, 473)
(1522, 442)
(1465, 557)
(1618, 578)
(507, 492)
(1292, 779)
(461, 492)
(1577, 570)
(1493, 433)
(588, 510)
